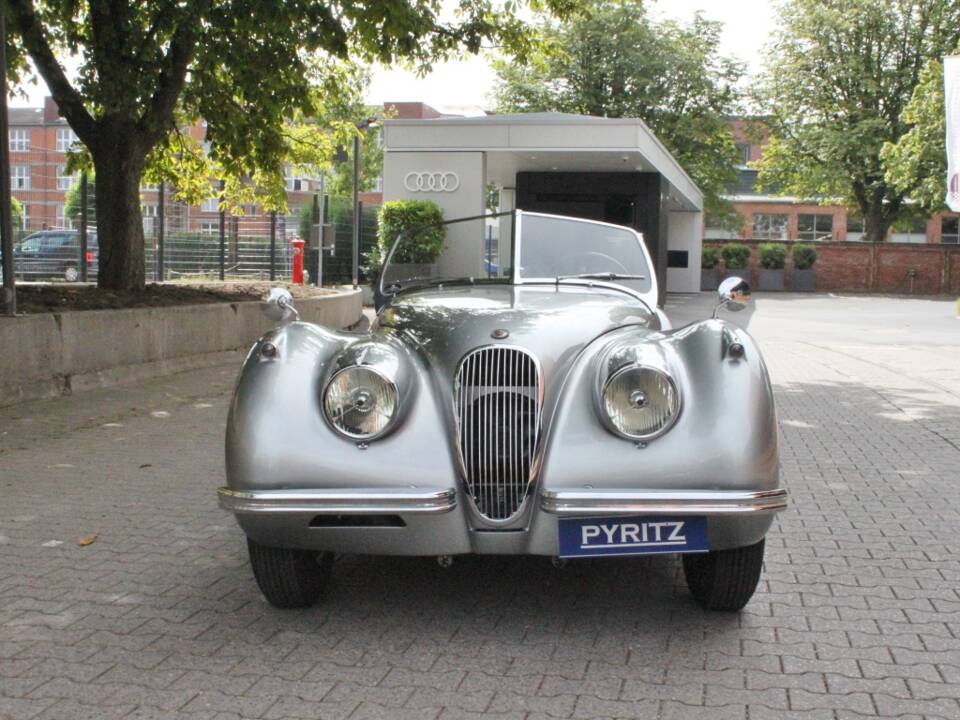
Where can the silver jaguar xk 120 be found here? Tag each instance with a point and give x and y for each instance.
(519, 393)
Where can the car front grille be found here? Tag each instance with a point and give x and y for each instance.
(498, 399)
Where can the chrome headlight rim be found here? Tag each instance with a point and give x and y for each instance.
(357, 437)
(613, 428)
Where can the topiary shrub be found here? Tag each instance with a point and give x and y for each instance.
(736, 256)
(709, 257)
(804, 256)
(403, 216)
(772, 256)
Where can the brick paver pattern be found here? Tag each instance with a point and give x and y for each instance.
(858, 613)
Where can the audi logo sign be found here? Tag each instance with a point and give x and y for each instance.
(431, 181)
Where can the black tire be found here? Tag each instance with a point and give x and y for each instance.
(724, 579)
(290, 578)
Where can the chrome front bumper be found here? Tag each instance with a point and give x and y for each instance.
(433, 523)
(674, 502)
(563, 503)
(336, 501)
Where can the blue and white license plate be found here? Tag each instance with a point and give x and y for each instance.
(599, 536)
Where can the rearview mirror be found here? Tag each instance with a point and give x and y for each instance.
(734, 294)
(279, 305)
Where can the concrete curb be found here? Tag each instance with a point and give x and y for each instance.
(51, 354)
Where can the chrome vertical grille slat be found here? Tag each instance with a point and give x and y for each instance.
(498, 396)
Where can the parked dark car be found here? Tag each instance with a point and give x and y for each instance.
(54, 254)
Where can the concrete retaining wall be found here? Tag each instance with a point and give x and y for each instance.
(52, 354)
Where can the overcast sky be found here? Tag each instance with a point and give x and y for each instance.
(468, 83)
(746, 27)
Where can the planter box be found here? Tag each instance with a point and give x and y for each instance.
(771, 279)
(804, 280)
(709, 278)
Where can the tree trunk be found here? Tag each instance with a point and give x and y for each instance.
(875, 224)
(119, 169)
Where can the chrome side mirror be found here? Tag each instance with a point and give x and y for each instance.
(734, 294)
(279, 305)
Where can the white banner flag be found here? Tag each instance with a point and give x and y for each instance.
(951, 96)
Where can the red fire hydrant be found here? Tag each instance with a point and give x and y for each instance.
(298, 262)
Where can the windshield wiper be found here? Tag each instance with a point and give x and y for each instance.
(397, 286)
(610, 276)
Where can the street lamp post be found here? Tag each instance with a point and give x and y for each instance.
(6, 224)
(361, 126)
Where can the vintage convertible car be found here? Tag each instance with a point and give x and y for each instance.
(520, 393)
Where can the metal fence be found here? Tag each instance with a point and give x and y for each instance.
(185, 242)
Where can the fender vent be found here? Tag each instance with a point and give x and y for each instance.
(498, 397)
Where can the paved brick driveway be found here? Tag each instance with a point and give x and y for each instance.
(858, 613)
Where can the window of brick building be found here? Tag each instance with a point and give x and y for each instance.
(64, 181)
(20, 177)
(19, 139)
(62, 220)
(950, 230)
(65, 138)
(743, 153)
(210, 205)
(769, 226)
(814, 227)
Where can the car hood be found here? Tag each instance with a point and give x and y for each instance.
(553, 323)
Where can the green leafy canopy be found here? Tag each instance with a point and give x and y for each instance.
(840, 77)
(275, 81)
(612, 60)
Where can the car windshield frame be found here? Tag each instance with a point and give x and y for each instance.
(516, 241)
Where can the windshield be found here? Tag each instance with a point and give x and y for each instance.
(554, 247)
(481, 249)
(477, 249)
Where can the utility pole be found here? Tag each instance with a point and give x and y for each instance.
(84, 199)
(6, 222)
(355, 265)
(355, 269)
(161, 229)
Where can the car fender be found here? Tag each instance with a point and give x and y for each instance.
(278, 438)
(724, 438)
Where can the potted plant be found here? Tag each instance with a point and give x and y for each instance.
(421, 246)
(709, 272)
(773, 257)
(736, 256)
(804, 276)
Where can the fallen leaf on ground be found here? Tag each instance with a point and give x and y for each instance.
(88, 540)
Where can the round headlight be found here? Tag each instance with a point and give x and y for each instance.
(360, 403)
(640, 402)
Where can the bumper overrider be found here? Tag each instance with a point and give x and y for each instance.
(438, 521)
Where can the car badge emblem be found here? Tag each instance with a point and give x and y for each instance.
(500, 334)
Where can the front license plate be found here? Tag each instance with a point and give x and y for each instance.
(593, 537)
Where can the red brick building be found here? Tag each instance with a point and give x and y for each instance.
(39, 141)
(771, 217)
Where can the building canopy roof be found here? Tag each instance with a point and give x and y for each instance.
(549, 142)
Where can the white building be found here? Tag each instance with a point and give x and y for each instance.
(600, 168)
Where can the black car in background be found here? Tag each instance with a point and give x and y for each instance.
(54, 254)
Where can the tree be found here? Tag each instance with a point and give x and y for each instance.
(72, 209)
(16, 216)
(840, 76)
(147, 68)
(612, 60)
(916, 164)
